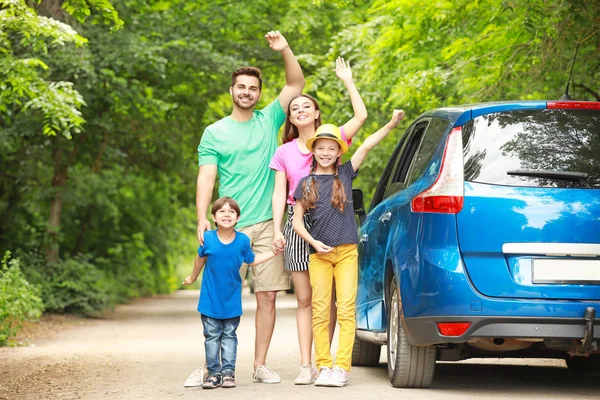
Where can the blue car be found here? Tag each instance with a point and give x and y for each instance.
(483, 240)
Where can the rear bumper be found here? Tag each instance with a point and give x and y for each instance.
(424, 331)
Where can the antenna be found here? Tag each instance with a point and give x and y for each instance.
(566, 97)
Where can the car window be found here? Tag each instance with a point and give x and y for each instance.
(387, 174)
(539, 148)
(433, 135)
(398, 181)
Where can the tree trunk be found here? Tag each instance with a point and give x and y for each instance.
(58, 182)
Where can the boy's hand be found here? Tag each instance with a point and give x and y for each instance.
(276, 41)
(188, 281)
(342, 69)
(321, 247)
(397, 116)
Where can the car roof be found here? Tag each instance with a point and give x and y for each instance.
(459, 115)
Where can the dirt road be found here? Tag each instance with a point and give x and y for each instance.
(145, 350)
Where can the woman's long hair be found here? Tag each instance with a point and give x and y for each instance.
(311, 191)
(290, 131)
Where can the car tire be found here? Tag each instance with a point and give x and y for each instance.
(365, 354)
(408, 366)
(590, 363)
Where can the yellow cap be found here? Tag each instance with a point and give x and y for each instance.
(328, 131)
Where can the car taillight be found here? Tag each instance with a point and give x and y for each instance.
(446, 195)
(453, 328)
(574, 104)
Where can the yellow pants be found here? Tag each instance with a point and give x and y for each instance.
(341, 263)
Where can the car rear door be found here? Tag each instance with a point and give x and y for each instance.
(530, 225)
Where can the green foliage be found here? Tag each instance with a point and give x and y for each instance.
(74, 285)
(120, 187)
(19, 300)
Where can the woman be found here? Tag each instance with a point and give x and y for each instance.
(292, 162)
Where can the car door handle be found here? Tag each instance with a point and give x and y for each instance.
(385, 217)
(364, 238)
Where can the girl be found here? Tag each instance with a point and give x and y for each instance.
(292, 162)
(327, 195)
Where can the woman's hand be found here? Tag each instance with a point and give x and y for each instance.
(342, 69)
(278, 242)
(321, 247)
(276, 41)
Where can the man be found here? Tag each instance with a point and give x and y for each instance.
(239, 147)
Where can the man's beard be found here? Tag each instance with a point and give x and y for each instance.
(245, 106)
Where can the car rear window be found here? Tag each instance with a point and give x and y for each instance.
(562, 146)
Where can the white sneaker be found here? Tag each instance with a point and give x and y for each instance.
(264, 374)
(196, 378)
(338, 377)
(324, 375)
(307, 375)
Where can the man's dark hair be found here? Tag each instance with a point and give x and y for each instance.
(250, 71)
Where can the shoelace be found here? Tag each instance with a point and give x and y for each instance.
(268, 370)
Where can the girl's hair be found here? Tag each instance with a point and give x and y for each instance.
(311, 192)
(290, 131)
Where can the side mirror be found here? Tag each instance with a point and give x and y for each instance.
(359, 204)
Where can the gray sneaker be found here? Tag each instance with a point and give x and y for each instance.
(338, 377)
(196, 378)
(264, 374)
(307, 375)
(324, 375)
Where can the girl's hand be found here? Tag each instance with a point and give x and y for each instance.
(188, 281)
(342, 69)
(276, 41)
(397, 116)
(321, 247)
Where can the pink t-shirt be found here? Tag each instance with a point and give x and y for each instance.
(296, 165)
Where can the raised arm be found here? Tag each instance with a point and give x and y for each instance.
(343, 71)
(294, 79)
(300, 229)
(372, 141)
(278, 203)
(204, 188)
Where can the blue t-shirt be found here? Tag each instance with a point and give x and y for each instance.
(221, 291)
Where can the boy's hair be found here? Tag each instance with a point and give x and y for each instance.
(290, 131)
(311, 191)
(250, 71)
(220, 203)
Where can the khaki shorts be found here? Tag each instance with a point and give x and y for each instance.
(270, 275)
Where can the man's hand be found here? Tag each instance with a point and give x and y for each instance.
(342, 69)
(188, 281)
(276, 41)
(321, 247)
(397, 116)
(203, 226)
(278, 243)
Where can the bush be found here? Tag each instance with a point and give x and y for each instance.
(73, 285)
(19, 300)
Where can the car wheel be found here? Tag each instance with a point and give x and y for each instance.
(590, 363)
(408, 366)
(365, 354)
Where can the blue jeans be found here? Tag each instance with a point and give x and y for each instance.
(220, 344)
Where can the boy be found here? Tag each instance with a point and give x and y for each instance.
(220, 305)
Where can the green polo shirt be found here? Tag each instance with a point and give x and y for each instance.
(242, 152)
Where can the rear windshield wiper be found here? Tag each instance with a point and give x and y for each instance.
(559, 175)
